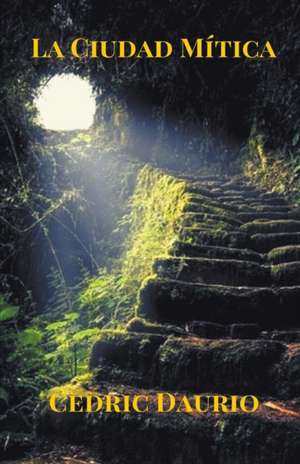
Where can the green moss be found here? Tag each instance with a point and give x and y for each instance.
(150, 227)
(284, 254)
(140, 325)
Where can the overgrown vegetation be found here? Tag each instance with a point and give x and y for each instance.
(154, 217)
(273, 169)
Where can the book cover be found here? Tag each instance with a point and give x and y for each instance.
(150, 232)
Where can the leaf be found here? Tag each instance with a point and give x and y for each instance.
(71, 316)
(8, 312)
(85, 333)
(30, 336)
(57, 325)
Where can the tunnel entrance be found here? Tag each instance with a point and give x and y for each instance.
(66, 102)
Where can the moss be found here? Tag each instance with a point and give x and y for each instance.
(204, 216)
(286, 274)
(223, 365)
(216, 238)
(277, 226)
(127, 351)
(174, 301)
(213, 271)
(140, 325)
(155, 216)
(181, 248)
(284, 254)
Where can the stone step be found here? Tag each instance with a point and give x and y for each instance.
(200, 207)
(216, 238)
(166, 300)
(277, 200)
(285, 254)
(239, 186)
(273, 208)
(217, 252)
(232, 198)
(213, 330)
(260, 204)
(246, 197)
(230, 272)
(262, 367)
(200, 221)
(254, 208)
(256, 215)
(218, 271)
(190, 218)
(271, 227)
(269, 435)
(287, 274)
(231, 192)
(206, 202)
(263, 243)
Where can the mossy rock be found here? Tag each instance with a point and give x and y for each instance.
(190, 218)
(172, 301)
(256, 215)
(284, 254)
(286, 274)
(140, 325)
(126, 352)
(269, 227)
(216, 238)
(181, 249)
(224, 366)
(213, 271)
(264, 243)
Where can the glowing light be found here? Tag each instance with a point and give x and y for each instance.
(66, 103)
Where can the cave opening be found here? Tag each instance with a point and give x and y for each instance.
(66, 102)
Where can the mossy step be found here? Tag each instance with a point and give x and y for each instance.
(216, 238)
(190, 218)
(206, 251)
(284, 254)
(197, 198)
(286, 274)
(257, 215)
(215, 271)
(237, 207)
(231, 198)
(140, 325)
(199, 207)
(241, 186)
(272, 196)
(273, 200)
(255, 204)
(263, 243)
(240, 193)
(213, 330)
(271, 226)
(210, 226)
(272, 208)
(190, 364)
(166, 300)
(267, 436)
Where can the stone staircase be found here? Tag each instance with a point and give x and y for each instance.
(237, 260)
(220, 314)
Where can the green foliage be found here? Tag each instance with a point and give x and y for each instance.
(7, 312)
(152, 223)
(273, 170)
